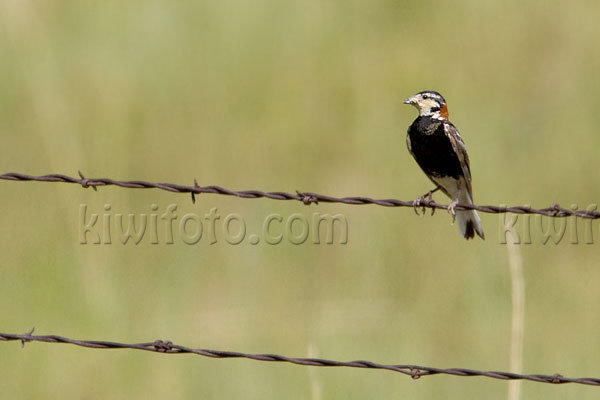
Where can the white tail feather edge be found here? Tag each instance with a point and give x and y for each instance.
(466, 218)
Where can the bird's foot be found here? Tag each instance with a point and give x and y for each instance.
(417, 203)
(423, 201)
(452, 209)
(429, 200)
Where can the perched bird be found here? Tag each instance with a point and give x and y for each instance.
(436, 145)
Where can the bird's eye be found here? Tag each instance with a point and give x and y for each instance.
(425, 97)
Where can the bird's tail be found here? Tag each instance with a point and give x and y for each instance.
(468, 221)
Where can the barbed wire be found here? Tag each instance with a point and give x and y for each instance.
(554, 210)
(414, 371)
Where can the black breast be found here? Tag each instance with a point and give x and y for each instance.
(432, 149)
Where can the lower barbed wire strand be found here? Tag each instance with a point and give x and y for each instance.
(414, 371)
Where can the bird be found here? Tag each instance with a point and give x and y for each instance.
(436, 145)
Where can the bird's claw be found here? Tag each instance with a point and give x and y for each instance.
(423, 202)
(452, 210)
(417, 203)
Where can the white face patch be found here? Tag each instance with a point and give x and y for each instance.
(426, 106)
(428, 103)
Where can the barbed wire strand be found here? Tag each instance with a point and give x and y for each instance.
(307, 198)
(554, 210)
(414, 371)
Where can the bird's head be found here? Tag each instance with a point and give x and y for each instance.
(429, 103)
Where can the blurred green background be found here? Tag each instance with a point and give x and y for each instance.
(287, 95)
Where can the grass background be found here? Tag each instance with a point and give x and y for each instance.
(293, 95)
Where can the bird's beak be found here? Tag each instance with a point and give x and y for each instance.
(410, 100)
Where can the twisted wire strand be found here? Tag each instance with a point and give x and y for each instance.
(168, 347)
(554, 210)
(414, 371)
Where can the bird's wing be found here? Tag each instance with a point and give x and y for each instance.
(461, 151)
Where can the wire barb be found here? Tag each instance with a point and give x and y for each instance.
(414, 371)
(27, 337)
(163, 346)
(196, 187)
(306, 197)
(85, 182)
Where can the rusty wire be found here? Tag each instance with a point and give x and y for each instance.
(414, 371)
(554, 210)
